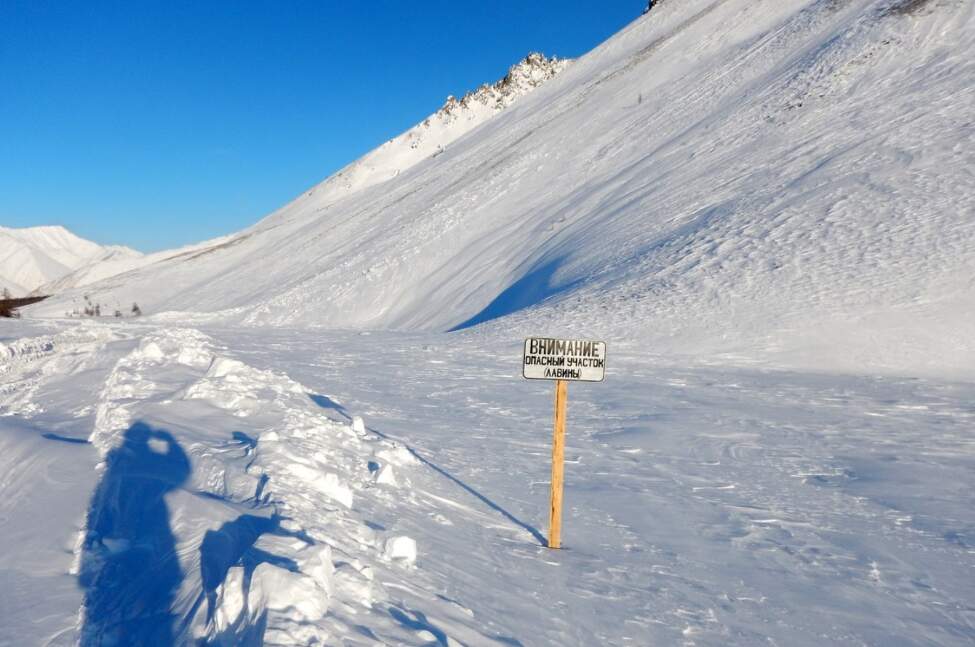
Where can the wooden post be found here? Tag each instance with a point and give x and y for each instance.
(558, 457)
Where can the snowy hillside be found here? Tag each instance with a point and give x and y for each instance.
(319, 435)
(34, 256)
(118, 260)
(431, 137)
(782, 181)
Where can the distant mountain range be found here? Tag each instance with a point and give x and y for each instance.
(34, 256)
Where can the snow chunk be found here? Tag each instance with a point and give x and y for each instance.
(327, 484)
(293, 595)
(150, 350)
(194, 357)
(223, 366)
(398, 455)
(386, 476)
(401, 548)
(230, 601)
(319, 567)
(358, 425)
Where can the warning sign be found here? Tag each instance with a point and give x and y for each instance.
(564, 359)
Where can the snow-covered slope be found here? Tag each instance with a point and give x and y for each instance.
(114, 261)
(166, 485)
(730, 182)
(785, 181)
(34, 256)
(424, 141)
(431, 137)
(57, 243)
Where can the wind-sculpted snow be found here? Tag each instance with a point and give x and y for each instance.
(232, 505)
(250, 587)
(724, 184)
(27, 362)
(233, 486)
(706, 506)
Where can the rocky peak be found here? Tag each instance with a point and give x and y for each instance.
(522, 77)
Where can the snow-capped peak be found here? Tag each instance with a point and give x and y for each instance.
(523, 77)
(55, 241)
(433, 135)
(33, 256)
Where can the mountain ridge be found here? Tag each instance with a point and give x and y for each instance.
(425, 140)
(32, 257)
(720, 179)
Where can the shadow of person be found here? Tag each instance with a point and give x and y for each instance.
(129, 566)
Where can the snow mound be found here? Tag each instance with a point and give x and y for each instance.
(267, 524)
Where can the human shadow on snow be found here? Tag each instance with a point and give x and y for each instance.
(129, 567)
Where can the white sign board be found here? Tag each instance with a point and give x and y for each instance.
(564, 359)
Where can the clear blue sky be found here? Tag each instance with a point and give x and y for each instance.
(155, 124)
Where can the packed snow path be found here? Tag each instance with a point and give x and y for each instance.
(358, 489)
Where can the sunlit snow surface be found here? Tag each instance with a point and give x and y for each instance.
(34, 256)
(346, 488)
(764, 208)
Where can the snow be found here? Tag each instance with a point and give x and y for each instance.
(320, 435)
(703, 505)
(115, 261)
(35, 256)
(401, 548)
(56, 242)
(784, 184)
(431, 137)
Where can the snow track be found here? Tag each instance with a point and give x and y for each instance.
(289, 463)
(190, 492)
(28, 362)
(234, 506)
